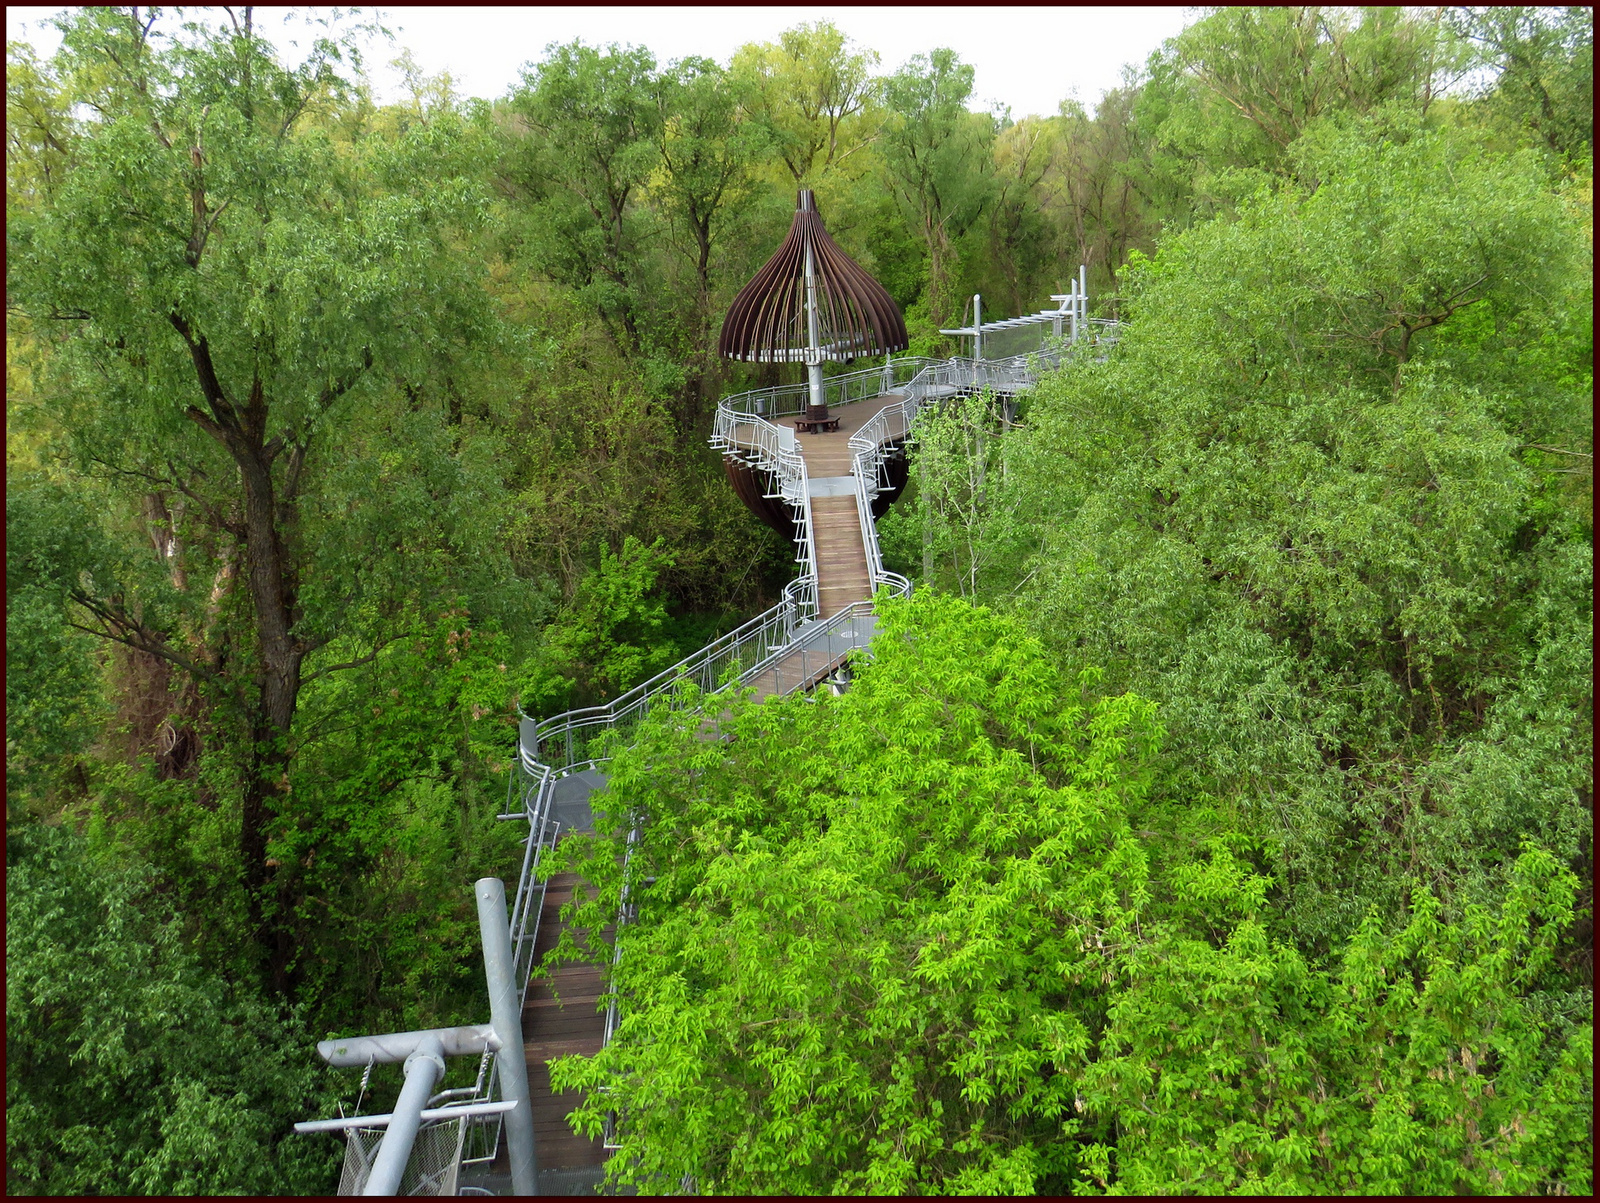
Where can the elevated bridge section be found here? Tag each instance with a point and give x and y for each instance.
(823, 490)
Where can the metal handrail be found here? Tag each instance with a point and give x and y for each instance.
(868, 457)
(772, 449)
(784, 399)
(567, 741)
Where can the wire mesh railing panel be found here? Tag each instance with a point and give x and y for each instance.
(435, 1163)
(1020, 340)
(360, 1148)
(577, 737)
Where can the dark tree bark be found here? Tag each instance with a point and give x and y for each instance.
(273, 577)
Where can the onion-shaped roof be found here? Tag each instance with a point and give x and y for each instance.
(856, 316)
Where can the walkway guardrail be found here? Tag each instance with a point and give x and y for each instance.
(574, 739)
(772, 450)
(785, 399)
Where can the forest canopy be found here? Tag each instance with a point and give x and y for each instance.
(1216, 817)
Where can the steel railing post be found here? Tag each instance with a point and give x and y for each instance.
(505, 1014)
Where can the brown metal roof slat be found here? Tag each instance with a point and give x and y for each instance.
(766, 321)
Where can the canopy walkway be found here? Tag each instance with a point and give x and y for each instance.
(824, 489)
(832, 486)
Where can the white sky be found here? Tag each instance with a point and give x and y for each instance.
(1028, 58)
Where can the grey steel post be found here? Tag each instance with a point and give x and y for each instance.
(505, 1014)
(977, 333)
(813, 339)
(424, 1068)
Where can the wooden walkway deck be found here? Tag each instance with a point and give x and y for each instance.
(836, 527)
(554, 1027)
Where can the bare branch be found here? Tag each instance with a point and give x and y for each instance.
(222, 410)
(120, 627)
(360, 660)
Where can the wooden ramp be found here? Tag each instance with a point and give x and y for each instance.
(791, 673)
(559, 1017)
(841, 556)
(835, 524)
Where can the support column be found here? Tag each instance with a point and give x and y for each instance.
(424, 1068)
(813, 340)
(505, 1014)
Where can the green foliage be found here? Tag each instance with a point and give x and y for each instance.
(839, 964)
(1417, 1065)
(1253, 80)
(613, 634)
(599, 124)
(1326, 563)
(812, 91)
(920, 939)
(129, 1069)
(1542, 72)
(964, 515)
(401, 411)
(937, 159)
(51, 686)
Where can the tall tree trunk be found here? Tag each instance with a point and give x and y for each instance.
(273, 581)
(279, 657)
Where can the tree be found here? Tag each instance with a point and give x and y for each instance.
(612, 636)
(854, 918)
(937, 159)
(708, 155)
(1108, 189)
(939, 936)
(963, 505)
(1021, 242)
(131, 1070)
(239, 307)
(812, 90)
(597, 127)
(1308, 505)
(1543, 70)
(1256, 79)
(51, 686)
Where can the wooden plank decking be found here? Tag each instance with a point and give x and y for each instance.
(836, 527)
(554, 1027)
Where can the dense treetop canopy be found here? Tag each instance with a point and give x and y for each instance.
(1216, 818)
